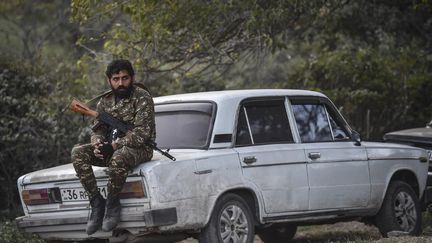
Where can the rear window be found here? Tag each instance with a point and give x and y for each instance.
(184, 125)
(263, 122)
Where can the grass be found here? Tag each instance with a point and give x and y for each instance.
(339, 232)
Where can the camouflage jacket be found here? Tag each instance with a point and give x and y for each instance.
(137, 110)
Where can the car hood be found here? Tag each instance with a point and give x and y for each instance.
(414, 135)
(67, 172)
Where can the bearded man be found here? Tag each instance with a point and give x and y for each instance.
(120, 153)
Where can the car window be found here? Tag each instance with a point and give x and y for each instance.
(339, 133)
(183, 125)
(266, 120)
(312, 122)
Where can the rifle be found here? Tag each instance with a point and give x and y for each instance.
(113, 122)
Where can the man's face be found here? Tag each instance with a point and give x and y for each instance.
(121, 83)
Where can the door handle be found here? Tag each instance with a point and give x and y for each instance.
(314, 155)
(249, 159)
(202, 172)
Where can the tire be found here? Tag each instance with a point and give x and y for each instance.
(279, 233)
(230, 222)
(400, 210)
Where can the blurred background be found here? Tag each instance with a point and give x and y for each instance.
(372, 58)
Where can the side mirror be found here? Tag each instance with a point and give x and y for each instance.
(356, 138)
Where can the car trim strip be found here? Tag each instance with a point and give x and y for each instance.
(412, 158)
(303, 215)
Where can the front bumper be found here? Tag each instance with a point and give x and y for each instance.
(427, 196)
(73, 228)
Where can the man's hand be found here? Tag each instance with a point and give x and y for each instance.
(106, 150)
(96, 150)
(103, 150)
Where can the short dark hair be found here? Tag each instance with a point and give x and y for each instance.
(117, 65)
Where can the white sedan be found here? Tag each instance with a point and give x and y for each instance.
(247, 162)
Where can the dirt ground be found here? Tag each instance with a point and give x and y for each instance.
(346, 232)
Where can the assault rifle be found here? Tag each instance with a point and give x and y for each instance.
(113, 122)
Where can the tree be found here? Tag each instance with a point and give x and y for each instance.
(29, 27)
(190, 39)
(372, 58)
(38, 76)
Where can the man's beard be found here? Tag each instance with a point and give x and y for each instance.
(122, 92)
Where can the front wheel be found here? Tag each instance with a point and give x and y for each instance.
(230, 222)
(400, 210)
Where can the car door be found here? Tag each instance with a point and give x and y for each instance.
(269, 157)
(338, 170)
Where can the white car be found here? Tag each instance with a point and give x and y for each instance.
(247, 162)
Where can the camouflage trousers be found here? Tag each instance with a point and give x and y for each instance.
(123, 160)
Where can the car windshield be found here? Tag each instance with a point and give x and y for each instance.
(184, 125)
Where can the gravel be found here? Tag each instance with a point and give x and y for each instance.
(347, 232)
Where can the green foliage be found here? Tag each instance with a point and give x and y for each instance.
(381, 83)
(366, 56)
(33, 32)
(34, 133)
(372, 57)
(179, 41)
(9, 233)
(38, 77)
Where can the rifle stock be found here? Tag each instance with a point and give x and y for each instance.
(79, 107)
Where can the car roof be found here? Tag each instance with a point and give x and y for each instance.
(218, 96)
(227, 103)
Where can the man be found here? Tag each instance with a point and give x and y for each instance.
(130, 104)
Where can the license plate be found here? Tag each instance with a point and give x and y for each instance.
(79, 194)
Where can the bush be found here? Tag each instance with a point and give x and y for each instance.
(9, 232)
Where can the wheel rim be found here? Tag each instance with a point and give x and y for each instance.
(233, 225)
(405, 211)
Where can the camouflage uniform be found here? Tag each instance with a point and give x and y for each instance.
(132, 149)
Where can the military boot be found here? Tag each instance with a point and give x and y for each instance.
(112, 215)
(97, 213)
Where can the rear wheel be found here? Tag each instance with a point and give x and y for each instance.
(231, 222)
(279, 233)
(400, 210)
